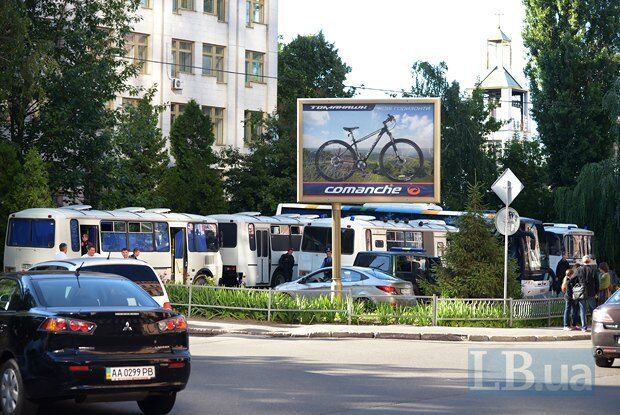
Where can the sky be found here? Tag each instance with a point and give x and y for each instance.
(380, 40)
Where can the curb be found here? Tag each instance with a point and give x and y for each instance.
(451, 337)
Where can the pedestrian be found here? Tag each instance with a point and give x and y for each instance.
(327, 261)
(604, 283)
(613, 277)
(585, 289)
(125, 253)
(62, 251)
(136, 253)
(571, 314)
(560, 273)
(92, 252)
(86, 243)
(286, 263)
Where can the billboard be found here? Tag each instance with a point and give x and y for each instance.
(374, 150)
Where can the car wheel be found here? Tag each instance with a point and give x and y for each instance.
(366, 303)
(158, 405)
(603, 362)
(12, 394)
(277, 280)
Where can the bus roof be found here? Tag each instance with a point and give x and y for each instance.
(566, 229)
(135, 214)
(246, 217)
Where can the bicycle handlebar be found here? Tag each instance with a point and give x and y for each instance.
(389, 119)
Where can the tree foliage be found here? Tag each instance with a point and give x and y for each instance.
(11, 168)
(194, 183)
(30, 186)
(473, 264)
(527, 161)
(574, 56)
(465, 124)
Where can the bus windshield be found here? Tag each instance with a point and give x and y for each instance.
(578, 245)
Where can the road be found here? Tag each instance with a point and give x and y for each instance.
(253, 375)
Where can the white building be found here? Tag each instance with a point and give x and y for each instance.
(511, 99)
(221, 53)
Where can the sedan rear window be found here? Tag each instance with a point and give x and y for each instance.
(141, 275)
(91, 292)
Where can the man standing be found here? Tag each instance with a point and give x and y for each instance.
(125, 253)
(585, 289)
(560, 273)
(327, 261)
(62, 251)
(136, 253)
(286, 263)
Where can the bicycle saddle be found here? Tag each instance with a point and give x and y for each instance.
(350, 129)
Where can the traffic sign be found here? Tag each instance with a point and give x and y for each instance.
(507, 226)
(507, 187)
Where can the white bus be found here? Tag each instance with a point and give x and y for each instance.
(251, 246)
(180, 247)
(569, 238)
(366, 233)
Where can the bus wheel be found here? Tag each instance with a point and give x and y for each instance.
(202, 280)
(278, 279)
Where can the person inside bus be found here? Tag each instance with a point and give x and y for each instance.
(136, 253)
(62, 251)
(125, 253)
(287, 262)
(90, 253)
(86, 243)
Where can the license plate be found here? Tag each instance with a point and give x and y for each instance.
(129, 373)
(405, 291)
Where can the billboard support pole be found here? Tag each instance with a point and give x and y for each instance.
(336, 292)
(509, 193)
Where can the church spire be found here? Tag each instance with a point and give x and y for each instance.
(496, 45)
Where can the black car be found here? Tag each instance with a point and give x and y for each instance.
(407, 264)
(87, 336)
(606, 331)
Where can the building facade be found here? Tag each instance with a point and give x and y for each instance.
(511, 100)
(221, 53)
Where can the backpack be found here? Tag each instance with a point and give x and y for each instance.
(578, 291)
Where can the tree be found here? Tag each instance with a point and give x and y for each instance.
(30, 187)
(140, 158)
(65, 68)
(473, 263)
(573, 60)
(465, 123)
(9, 160)
(194, 184)
(527, 161)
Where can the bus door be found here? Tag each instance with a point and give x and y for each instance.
(93, 237)
(262, 256)
(179, 255)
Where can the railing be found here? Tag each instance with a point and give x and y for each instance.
(424, 310)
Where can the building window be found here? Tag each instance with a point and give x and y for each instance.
(176, 109)
(213, 61)
(254, 66)
(137, 46)
(181, 57)
(145, 3)
(254, 12)
(183, 5)
(252, 124)
(216, 7)
(130, 102)
(217, 119)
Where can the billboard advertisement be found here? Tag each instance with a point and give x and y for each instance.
(358, 151)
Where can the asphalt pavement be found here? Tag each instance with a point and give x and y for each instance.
(254, 375)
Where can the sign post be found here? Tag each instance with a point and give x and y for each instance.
(336, 289)
(506, 187)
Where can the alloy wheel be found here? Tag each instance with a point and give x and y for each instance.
(9, 391)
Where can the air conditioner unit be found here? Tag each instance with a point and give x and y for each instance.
(176, 83)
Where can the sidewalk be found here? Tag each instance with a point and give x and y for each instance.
(476, 334)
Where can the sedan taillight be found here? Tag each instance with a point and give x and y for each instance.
(172, 324)
(167, 305)
(387, 288)
(601, 316)
(67, 325)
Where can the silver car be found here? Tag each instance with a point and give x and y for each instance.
(364, 284)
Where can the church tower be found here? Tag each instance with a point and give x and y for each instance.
(511, 100)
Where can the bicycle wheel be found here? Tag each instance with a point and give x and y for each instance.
(401, 160)
(335, 161)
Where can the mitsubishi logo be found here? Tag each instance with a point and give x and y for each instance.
(127, 327)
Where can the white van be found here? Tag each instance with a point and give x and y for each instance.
(133, 269)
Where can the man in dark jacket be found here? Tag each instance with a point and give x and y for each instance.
(286, 263)
(586, 281)
(560, 273)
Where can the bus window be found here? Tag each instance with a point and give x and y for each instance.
(368, 240)
(315, 239)
(141, 236)
(201, 237)
(113, 236)
(252, 238)
(347, 240)
(162, 238)
(74, 230)
(228, 235)
(36, 233)
(554, 244)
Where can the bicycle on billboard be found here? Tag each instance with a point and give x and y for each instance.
(400, 159)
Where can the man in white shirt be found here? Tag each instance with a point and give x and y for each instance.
(62, 253)
(91, 253)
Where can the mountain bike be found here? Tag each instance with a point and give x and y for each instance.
(400, 159)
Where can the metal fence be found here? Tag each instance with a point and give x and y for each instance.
(431, 309)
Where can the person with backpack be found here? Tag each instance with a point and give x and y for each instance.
(571, 314)
(585, 288)
(560, 273)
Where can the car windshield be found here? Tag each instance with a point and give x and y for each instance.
(381, 262)
(91, 292)
(140, 274)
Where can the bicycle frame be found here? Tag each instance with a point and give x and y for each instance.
(381, 131)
